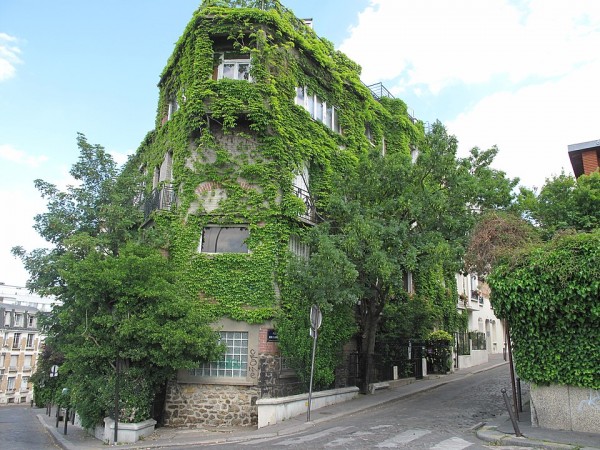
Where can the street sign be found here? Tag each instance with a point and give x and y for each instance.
(315, 317)
(54, 371)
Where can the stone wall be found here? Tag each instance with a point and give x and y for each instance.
(190, 405)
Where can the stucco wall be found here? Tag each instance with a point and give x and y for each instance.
(565, 408)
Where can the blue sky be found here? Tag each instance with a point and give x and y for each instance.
(521, 74)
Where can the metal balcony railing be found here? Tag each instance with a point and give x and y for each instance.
(159, 199)
(378, 90)
(310, 213)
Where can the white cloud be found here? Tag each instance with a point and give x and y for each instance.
(530, 69)
(9, 56)
(119, 157)
(10, 153)
(437, 44)
(534, 125)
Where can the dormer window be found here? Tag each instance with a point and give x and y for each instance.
(234, 66)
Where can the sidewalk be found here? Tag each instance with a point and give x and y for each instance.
(78, 439)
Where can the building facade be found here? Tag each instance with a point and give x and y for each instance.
(20, 340)
(255, 113)
(585, 157)
(474, 300)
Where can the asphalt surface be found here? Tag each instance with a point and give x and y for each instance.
(497, 432)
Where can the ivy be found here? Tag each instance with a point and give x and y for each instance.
(549, 295)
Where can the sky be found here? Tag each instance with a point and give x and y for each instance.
(519, 74)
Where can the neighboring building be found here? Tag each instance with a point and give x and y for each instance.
(20, 341)
(474, 300)
(255, 113)
(585, 157)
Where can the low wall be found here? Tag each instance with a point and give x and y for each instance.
(565, 408)
(275, 410)
(126, 433)
(474, 359)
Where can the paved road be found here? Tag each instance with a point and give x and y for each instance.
(20, 429)
(440, 419)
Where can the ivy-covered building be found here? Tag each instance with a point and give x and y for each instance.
(255, 114)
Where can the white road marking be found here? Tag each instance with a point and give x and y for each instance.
(454, 443)
(403, 438)
(314, 436)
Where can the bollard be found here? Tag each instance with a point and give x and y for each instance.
(66, 420)
(519, 398)
(57, 415)
(511, 414)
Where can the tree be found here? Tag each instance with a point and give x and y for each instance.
(564, 202)
(496, 237)
(120, 318)
(391, 216)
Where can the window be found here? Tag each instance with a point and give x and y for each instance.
(11, 384)
(31, 322)
(7, 318)
(318, 109)
(414, 154)
(224, 239)
(407, 281)
(235, 66)
(14, 360)
(299, 248)
(173, 107)
(16, 340)
(24, 381)
(30, 340)
(166, 168)
(19, 320)
(27, 362)
(235, 360)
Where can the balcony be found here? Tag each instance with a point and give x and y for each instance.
(310, 213)
(159, 199)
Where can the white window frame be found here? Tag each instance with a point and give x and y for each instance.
(28, 358)
(313, 104)
(10, 384)
(13, 363)
(236, 63)
(16, 341)
(234, 364)
(241, 226)
(19, 320)
(30, 340)
(173, 108)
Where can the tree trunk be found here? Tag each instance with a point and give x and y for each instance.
(369, 324)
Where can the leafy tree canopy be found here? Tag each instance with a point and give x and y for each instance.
(391, 216)
(564, 202)
(118, 302)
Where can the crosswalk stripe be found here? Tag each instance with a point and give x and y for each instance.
(403, 438)
(454, 443)
(314, 436)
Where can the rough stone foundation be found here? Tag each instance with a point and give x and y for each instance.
(193, 405)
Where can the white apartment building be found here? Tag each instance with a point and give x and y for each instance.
(474, 300)
(20, 341)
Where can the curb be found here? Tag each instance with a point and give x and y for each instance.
(490, 434)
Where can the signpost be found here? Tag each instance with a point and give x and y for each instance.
(315, 323)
